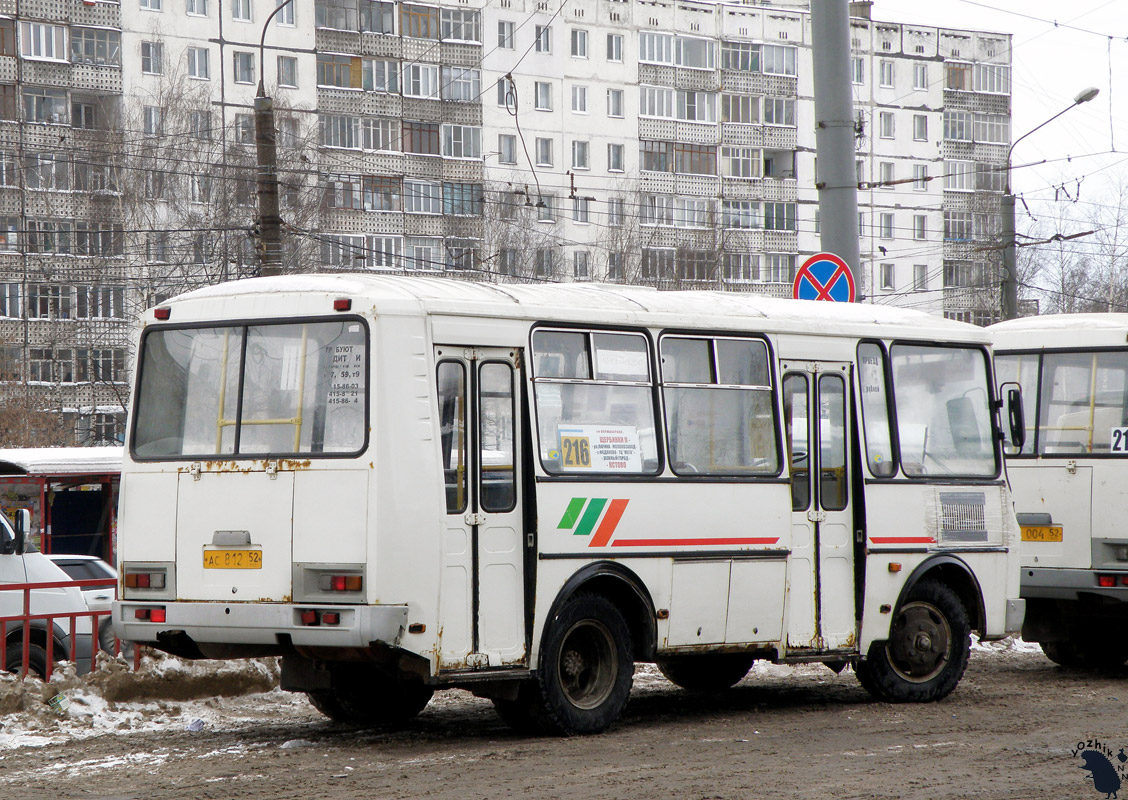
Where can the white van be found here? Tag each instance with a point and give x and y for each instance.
(21, 562)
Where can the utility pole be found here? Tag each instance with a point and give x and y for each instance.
(834, 131)
(1010, 262)
(269, 223)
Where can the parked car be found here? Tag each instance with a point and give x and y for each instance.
(21, 562)
(98, 598)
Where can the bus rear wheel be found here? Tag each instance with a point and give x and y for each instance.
(371, 700)
(927, 650)
(1086, 654)
(586, 668)
(713, 672)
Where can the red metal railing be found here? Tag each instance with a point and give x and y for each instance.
(26, 618)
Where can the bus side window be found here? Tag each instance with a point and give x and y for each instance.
(798, 436)
(452, 432)
(498, 490)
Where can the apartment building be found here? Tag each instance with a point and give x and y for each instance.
(662, 142)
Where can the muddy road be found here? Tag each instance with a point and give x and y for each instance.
(1009, 731)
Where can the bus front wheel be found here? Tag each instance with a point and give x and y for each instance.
(927, 650)
(586, 668)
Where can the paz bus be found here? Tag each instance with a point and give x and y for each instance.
(1068, 477)
(403, 484)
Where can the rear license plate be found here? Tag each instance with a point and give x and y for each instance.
(232, 559)
(1041, 533)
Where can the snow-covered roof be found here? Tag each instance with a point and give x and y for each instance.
(40, 461)
(1061, 330)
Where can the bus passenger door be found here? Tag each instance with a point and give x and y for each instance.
(481, 593)
(821, 575)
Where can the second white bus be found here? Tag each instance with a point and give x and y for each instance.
(400, 485)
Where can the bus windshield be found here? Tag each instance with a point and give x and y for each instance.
(943, 410)
(252, 390)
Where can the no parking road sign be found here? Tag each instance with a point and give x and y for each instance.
(824, 276)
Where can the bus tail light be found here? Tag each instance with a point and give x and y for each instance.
(150, 614)
(342, 304)
(1106, 581)
(312, 617)
(329, 583)
(152, 579)
(341, 583)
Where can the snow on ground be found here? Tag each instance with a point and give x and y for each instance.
(169, 693)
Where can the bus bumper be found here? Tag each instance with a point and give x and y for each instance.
(265, 624)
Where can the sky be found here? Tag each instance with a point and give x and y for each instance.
(1052, 61)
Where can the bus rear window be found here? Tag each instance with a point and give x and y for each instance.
(257, 390)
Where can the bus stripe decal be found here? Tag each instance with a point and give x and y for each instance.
(610, 522)
(679, 542)
(591, 516)
(903, 539)
(572, 513)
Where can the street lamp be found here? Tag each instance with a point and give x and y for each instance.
(1010, 270)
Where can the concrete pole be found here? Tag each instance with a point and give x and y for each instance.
(836, 180)
(1010, 267)
(269, 220)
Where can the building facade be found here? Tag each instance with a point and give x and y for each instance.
(666, 142)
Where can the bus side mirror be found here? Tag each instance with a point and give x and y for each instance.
(23, 524)
(1016, 417)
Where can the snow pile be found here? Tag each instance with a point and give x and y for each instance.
(1011, 644)
(165, 692)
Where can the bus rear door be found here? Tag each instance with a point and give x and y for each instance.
(481, 603)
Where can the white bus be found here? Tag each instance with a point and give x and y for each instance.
(403, 484)
(1068, 478)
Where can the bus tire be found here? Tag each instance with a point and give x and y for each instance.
(586, 668)
(927, 650)
(712, 672)
(372, 702)
(1075, 654)
(36, 659)
(519, 713)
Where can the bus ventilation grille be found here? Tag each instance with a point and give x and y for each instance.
(963, 516)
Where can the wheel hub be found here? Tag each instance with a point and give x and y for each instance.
(919, 643)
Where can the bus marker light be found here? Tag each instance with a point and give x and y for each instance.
(337, 583)
(342, 304)
(885, 608)
(309, 617)
(416, 627)
(162, 313)
(894, 566)
(1106, 581)
(1122, 553)
(353, 583)
(141, 613)
(331, 618)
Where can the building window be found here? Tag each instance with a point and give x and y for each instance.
(286, 15)
(958, 226)
(507, 148)
(542, 96)
(382, 193)
(376, 16)
(696, 106)
(580, 209)
(885, 221)
(615, 212)
(95, 46)
(959, 176)
(151, 120)
(546, 208)
(10, 306)
(462, 141)
(419, 22)
(544, 262)
(421, 80)
(579, 99)
(420, 197)
(778, 268)
(195, 8)
(887, 122)
(288, 72)
(615, 103)
(614, 47)
(544, 152)
(957, 76)
(920, 226)
(421, 138)
(920, 177)
(740, 214)
(741, 267)
(198, 66)
(580, 155)
(460, 25)
(462, 199)
(244, 64)
(779, 59)
(656, 101)
(504, 35)
(779, 216)
(615, 267)
(920, 128)
(579, 43)
(149, 5)
(695, 159)
(886, 172)
(695, 53)
(920, 277)
(779, 111)
(152, 57)
(241, 10)
(958, 125)
(614, 158)
(886, 77)
(508, 261)
(381, 134)
(48, 301)
(992, 78)
(740, 108)
(857, 70)
(740, 56)
(887, 279)
(656, 156)
(655, 48)
(991, 128)
(920, 76)
(543, 39)
(741, 162)
(378, 75)
(100, 302)
(657, 209)
(461, 83)
(657, 263)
